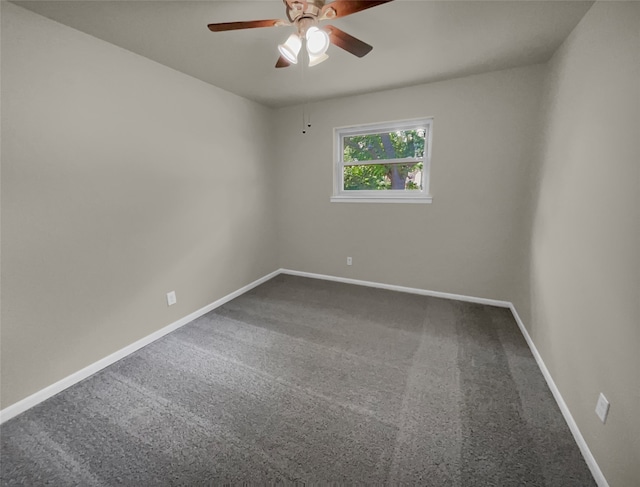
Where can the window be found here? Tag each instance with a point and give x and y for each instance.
(383, 162)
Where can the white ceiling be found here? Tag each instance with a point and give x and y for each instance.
(414, 41)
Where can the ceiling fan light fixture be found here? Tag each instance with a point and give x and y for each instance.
(304, 16)
(317, 41)
(315, 60)
(291, 48)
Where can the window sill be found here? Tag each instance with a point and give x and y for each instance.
(381, 199)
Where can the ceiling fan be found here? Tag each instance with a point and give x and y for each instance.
(305, 15)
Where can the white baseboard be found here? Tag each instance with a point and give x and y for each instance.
(393, 287)
(49, 391)
(575, 431)
(27, 403)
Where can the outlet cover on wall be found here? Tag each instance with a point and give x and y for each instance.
(171, 298)
(602, 408)
(349, 261)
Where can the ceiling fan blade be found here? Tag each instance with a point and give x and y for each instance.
(342, 8)
(282, 62)
(250, 24)
(347, 42)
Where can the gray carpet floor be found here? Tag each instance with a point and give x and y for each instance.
(302, 380)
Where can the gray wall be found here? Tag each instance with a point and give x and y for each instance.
(580, 297)
(467, 241)
(121, 180)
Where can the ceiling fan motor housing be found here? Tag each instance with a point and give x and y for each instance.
(304, 9)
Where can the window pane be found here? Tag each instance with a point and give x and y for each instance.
(387, 145)
(383, 176)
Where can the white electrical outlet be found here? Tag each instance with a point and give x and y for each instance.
(349, 261)
(602, 408)
(171, 298)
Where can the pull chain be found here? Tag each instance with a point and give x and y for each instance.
(306, 110)
(304, 128)
(304, 103)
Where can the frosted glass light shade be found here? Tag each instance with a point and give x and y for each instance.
(315, 60)
(291, 48)
(317, 41)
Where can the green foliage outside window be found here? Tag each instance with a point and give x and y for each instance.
(378, 147)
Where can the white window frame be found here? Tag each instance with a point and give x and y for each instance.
(340, 195)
